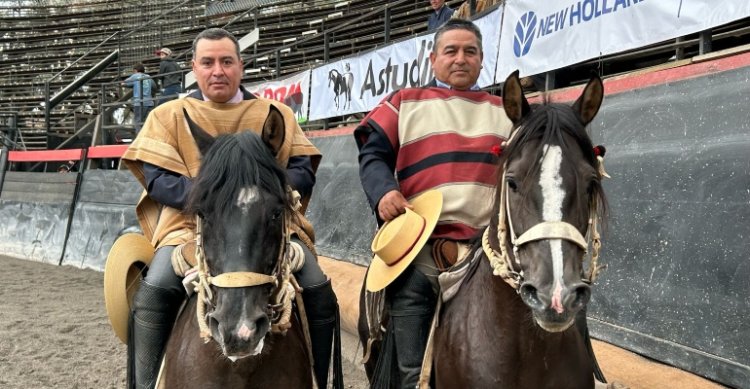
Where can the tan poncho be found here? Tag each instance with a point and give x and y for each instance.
(165, 141)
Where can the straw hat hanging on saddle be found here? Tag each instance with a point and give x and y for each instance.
(399, 241)
(127, 258)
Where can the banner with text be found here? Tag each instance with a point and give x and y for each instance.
(539, 36)
(292, 91)
(358, 84)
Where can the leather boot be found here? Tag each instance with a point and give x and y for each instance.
(412, 303)
(322, 308)
(154, 313)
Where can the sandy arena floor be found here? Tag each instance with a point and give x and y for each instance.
(54, 333)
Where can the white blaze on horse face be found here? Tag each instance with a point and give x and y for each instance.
(553, 194)
(247, 197)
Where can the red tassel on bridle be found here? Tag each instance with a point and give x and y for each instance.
(599, 152)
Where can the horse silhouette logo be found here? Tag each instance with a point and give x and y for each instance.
(341, 84)
(524, 34)
(294, 101)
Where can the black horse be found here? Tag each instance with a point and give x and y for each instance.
(242, 206)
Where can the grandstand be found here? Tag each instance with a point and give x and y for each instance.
(83, 47)
(70, 55)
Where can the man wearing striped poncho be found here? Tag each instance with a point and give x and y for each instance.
(436, 137)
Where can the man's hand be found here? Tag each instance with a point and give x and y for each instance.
(392, 204)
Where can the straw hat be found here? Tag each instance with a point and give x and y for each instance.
(122, 275)
(399, 241)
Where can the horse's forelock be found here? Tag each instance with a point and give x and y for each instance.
(235, 162)
(549, 122)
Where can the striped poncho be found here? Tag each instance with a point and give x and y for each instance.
(437, 138)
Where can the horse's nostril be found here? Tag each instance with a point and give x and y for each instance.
(262, 324)
(582, 294)
(530, 297)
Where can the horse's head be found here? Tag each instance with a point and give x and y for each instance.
(334, 78)
(549, 192)
(240, 199)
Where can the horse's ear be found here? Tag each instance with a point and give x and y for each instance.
(515, 103)
(202, 138)
(274, 130)
(590, 100)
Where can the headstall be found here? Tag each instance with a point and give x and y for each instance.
(510, 270)
(285, 286)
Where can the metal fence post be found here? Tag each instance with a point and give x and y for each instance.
(704, 43)
(46, 106)
(549, 81)
(387, 24)
(278, 63)
(679, 52)
(74, 201)
(326, 48)
(325, 60)
(3, 162)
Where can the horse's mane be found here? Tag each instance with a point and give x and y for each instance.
(549, 122)
(234, 162)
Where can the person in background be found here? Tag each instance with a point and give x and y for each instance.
(171, 83)
(67, 167)
(143, 103)
(441, 13)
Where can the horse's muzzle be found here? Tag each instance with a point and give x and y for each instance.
(555, 311)
(241, 338)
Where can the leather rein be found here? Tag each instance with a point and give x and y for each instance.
(510, 270)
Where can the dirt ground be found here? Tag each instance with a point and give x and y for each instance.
(54, 333)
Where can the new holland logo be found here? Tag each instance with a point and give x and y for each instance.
(525, 31)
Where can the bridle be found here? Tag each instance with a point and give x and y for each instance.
(281, 279)
(511, 271)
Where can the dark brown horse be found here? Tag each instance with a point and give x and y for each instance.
(519, 329)
(242, 204)
(512, 323)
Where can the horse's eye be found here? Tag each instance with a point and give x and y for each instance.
(511, 183)
(276, 214)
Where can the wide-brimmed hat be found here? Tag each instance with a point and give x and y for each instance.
(399, 241)
(127, 258)
(164, 50)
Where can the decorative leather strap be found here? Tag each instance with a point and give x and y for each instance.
(552, 230)
(241, 279)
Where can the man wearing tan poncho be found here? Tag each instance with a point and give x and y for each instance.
(165, 159)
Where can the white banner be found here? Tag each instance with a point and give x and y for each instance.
(358, 84)
(539, 36)
(292, 91)
(489, 25)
